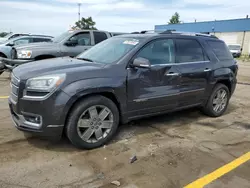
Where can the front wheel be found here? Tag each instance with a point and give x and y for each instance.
(218, 101)
(92, 122)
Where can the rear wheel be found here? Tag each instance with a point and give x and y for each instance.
(218, 101)
(92, 122)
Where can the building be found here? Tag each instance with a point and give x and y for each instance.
(235, 31)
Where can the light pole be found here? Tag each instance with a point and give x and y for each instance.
(79, 11)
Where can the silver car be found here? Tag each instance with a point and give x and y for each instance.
(6, 46)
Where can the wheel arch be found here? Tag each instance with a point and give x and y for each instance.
(82, 96)
(3, 55)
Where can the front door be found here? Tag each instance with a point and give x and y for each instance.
(83, 43)
(195, 68)
(154, 89)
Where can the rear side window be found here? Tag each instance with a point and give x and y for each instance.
(99, 37)
(41, 40)
(220, 50)
(188, 50)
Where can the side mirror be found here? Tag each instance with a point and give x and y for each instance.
(11, 44)
(141, 63)
(71, 43)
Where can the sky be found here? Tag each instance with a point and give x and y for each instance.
(53, 17)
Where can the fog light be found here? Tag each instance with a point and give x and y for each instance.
(33, 119)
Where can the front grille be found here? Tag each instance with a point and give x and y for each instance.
(15, 82)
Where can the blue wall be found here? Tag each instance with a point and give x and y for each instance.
(236, 25)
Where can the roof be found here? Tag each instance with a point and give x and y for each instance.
(236, 25)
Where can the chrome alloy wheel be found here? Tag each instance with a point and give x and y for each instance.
(220, 100)
(95, 123)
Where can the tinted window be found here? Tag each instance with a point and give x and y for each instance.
(22, 41)
(41, 40)
(14, 36)
(188, 50)
(99, 37)
(83, 39)
(159, 52)
(220, 50)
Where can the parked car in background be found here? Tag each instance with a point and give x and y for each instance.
(11, 36)
(121, 79)
(70, 43)
(5, 47)
(235, 49)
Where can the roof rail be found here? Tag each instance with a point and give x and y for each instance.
(41, 36)
(143, 32)
(188, 33)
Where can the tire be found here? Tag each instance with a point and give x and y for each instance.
(1, 67)
(209, 108)
(81, 112)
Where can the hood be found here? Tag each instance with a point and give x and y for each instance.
(3, 39)
(55, 66)
(33, 46)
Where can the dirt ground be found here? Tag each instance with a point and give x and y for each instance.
(173, 150)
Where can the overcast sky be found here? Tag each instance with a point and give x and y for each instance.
(55, 16)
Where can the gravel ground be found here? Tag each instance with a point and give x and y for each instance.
(173, 150)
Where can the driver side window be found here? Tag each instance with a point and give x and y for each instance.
(159, 52)
(82, 39)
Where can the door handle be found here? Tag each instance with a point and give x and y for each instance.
(207, 70)
(172, 74)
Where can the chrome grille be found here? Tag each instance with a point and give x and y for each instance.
(14, 87)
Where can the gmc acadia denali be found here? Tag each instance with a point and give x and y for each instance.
(121, 79)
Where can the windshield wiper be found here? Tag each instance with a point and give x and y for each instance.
(85, 59)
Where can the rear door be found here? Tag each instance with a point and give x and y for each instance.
(154, 89)
(84, 42)
(195, 69)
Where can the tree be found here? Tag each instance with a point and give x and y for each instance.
(3, 34)
(175, 19)
(85, 23)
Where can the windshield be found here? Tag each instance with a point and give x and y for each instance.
(61, 37)
(234, 47)
(109, 51)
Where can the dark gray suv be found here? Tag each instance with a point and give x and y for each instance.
(121, 79)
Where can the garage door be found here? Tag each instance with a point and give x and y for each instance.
(229, 39)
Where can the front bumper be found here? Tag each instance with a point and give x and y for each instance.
(12, 63)
(50, 112)
(236, 54)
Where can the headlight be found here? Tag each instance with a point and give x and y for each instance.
(45, 83)
(24, 54)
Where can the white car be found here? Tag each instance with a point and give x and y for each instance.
(235, 49)
(11, 36)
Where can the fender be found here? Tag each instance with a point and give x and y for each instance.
(81, 88)
(224, 74)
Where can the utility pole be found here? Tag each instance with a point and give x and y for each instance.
(79, 11)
